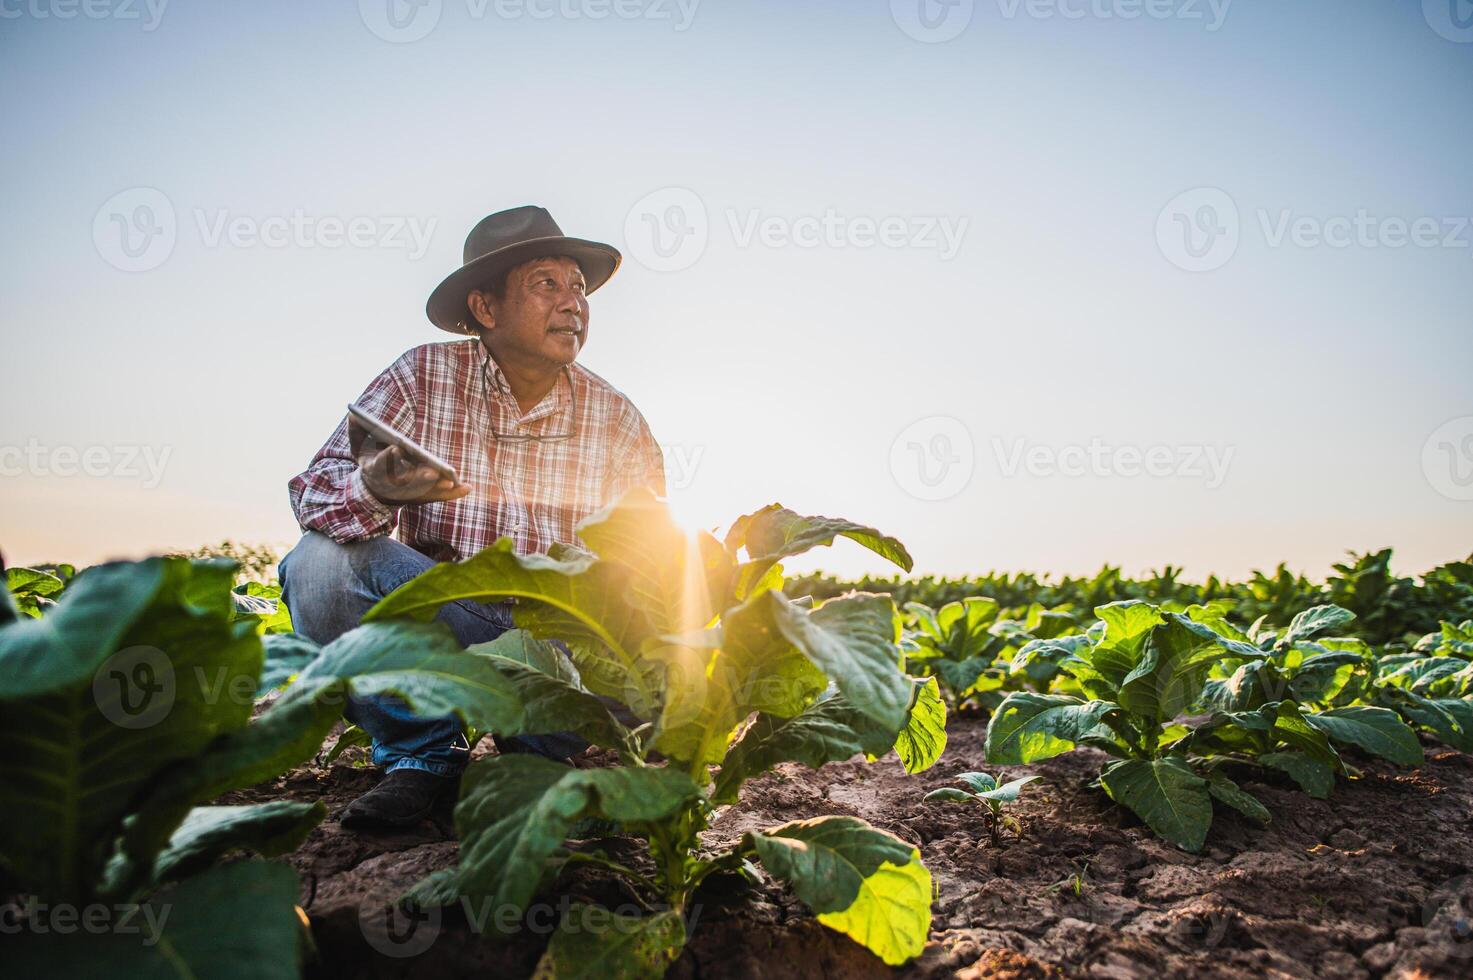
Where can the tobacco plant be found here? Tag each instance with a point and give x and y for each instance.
(972, 651)
(1432, 686)
(1298, 664)
(982, 790)
(720, 669)
(130, 699)
(1144, 672)
(127, 700)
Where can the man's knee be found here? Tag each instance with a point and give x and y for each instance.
(321, 586)
(317, 559)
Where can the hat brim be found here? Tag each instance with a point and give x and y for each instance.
(446, 307)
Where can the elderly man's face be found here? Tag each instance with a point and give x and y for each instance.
(542, 319)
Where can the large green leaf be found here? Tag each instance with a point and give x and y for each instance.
(129, 674)
(962, 627)
(593, 943)
(678, 581)
(1165, 793)
(235, 922)
(1168, 678)
(524, 648)
(1458, 685)
(701, 710)
(923, 739)
(68, 646)
(861, 881)
(1048, 624)
(753, 577)
(1291, 726)
(1040, 659)
(549, 704)
(830, 731)
(516, 810)
(922, 616)
(1320, 677)
(10, 611)
(424, 664)
(1213, 615)
(1315, 620)
(287, 654)
(286, 734)
(1250, 687)
(961, 676)
(1094, 685)
(1226, 791)
(1278, 722)
(275, 616)
(1450, 719)
(1314, 776)
(580, 601)
(1376, 730)
(1029, 727)
(210, 832)
(774, 532)
(713, 681)
(206, 589)
(32, 580)
(1420, 674)
(550, 691)
(1127, 624)
(28, 591)
(852, 639)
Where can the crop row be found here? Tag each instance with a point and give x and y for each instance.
(118, 728)
(1181, 698)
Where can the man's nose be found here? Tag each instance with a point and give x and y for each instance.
(571, 301)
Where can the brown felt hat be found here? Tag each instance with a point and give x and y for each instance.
(506, 239)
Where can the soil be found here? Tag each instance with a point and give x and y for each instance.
(1375, 882)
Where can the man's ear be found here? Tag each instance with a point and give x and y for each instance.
(480, 305)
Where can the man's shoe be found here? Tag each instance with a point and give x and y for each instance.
(402, 799)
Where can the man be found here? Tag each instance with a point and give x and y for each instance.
(537, 441)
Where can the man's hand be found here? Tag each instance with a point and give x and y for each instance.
(393, 477)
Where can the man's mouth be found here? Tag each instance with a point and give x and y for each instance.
(570, 331)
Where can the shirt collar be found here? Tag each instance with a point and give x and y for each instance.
(551, 402)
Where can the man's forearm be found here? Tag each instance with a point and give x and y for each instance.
(330, 497)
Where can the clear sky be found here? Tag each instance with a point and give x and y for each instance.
(1027, 283)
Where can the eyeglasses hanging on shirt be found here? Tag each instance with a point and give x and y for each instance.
(486, 384)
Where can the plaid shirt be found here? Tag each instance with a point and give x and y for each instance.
(534, 492)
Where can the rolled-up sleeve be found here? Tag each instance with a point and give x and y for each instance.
(329, 495)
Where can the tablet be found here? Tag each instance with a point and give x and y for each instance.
(390, 437)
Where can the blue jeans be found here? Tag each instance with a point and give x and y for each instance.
(329, 586)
